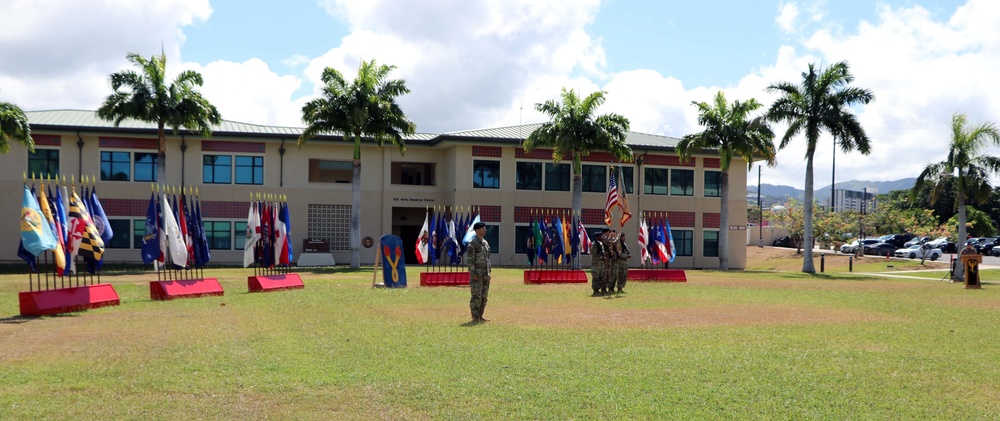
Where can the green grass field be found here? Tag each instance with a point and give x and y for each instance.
(739, 345)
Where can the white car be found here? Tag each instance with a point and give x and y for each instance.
(918, 251)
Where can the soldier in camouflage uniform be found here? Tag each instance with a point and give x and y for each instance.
(478, 260)
(622, 273)
(611, 248)
(598, 263)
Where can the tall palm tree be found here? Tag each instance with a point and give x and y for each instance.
(14, 127)
(968, 166)
(145, 96)
(573, 129)
(365, 106)
(821, 102)
(735, 134)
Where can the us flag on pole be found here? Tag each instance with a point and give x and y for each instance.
(612, 199)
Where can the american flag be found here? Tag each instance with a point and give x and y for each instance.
(643, 242)
(612, 198)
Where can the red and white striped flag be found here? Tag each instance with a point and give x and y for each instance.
(584, 239)
(643, 242)
(612, 198)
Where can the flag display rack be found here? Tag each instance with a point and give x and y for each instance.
(176, 244)
(441, 245)
(554, 238)
(62, 240)
(268, 246)
(656, 251)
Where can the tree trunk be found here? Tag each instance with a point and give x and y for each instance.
(161, 157)
(807, 236)
(724, 223)
(577, 209)
(959, 272)
(356, 215)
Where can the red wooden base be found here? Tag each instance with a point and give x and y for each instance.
(555, 277)
(274, 282)
(444, 279)
(66, 300)
(657, 275)
(187, 288)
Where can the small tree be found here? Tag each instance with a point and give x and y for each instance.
(14, 127)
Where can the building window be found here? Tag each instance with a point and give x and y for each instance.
(521, 235)
(250, 170)
(145, 166)
(485, 174)
(121, 239)
(413, 173)
(684, 241)
(138, 232)
(219, 235)
(711, 244)
(682, 182)
(595, 178)
(44, 163)
(655, 181)
(239, 235)
(493, 237)
(557, 177)
(627, 177)
(529, 176)
(713, 183)
(116, 166)
(321, 171)
(217, 169)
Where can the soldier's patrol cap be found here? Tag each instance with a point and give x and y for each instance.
(478, 225)
(605, 230)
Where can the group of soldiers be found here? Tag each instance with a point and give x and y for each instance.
(609, 263)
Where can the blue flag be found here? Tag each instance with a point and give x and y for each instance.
(151, 236)
(36, 234)
(288, 230)
(100, 218)
(432, 239)
(203, 248)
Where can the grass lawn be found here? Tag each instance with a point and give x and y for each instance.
(758, 344)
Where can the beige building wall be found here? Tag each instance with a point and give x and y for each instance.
(387, 208)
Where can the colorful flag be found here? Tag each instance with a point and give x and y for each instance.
(162, 258)
(422, 239)
(99, 217)
(432, 239)
(556, 242)
(665, 231)
(583, 238)
(536, 231)
(281, 239)
(252, 235)
(84, 239)
(203, 248)
(266, 236)
(612, 198)
(59, 251)
(643, 242)
(623, 203)
(565, 231)
(175, 243)
(182, 223)
(151, 235)
(288, 233)
(652, 249)
(543, 255)
(192, 237)
(470, 233)
(36, 234)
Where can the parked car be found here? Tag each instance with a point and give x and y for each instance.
(917, 240)
(986, 245)
(898, 240)
(853, 246)
(880, 249)
(919, 251)
(785, 241)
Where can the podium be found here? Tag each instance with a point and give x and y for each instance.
(970, 268)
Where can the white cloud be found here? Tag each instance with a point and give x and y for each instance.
(787, 14)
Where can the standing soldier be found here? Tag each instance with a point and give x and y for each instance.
(479, 272)
(598, 263)
(613, 257)
(623, 256)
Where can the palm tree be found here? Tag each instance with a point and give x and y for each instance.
(14, 127)
(735, 134)
(821, 102)
(144, 96)
(574, 130)
(365, 106)
(967, 166)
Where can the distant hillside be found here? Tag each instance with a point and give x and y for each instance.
(779, 193)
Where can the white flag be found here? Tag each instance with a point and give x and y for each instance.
(175, 241)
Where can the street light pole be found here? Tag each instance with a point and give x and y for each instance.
(760, 208)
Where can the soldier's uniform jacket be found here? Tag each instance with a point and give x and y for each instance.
(598, 251)
(479, 257)
(623, 252)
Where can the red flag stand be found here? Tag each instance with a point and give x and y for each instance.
(84, 295)
(657, 275)
(555, 277)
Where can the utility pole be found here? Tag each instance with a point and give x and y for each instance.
(760, 222)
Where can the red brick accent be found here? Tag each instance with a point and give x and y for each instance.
(667, 160)
(209, 209)
(602, 157)
(125, 207)
(228, 210)
(489, 213)
(127, 143)
(519, 153)
(592, 217)
(676, 219)
(219, 146)
(524, 214)
(487, 151)
(712, 162)
(710, 220)
(47, 140)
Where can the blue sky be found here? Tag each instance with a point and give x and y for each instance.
(477, 63)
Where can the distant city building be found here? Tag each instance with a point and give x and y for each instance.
(851, 200)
